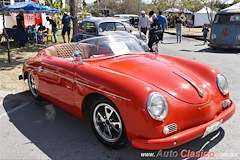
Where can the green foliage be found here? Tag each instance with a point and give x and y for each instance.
(57, 5)
(48, 3)
(67, 8)
(135, 6)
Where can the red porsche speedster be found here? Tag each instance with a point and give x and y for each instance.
(154, 101)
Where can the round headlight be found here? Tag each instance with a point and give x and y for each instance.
(222, 84)
(213, 36)
(238, 37)
(143, 36)
(157, 106)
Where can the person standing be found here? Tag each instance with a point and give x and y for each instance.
(54, 28)
(179, 20)
(153, 28)
(205, 31)
(66, 21)
(21, 30)
(143, 23)
(162, 25)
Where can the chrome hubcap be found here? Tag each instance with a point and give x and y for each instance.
(107, 122)
(32, 85)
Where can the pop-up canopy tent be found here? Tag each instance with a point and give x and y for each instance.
(186, 11)
(175, 10)
(29, 7)
(172, 10)
(201, 16)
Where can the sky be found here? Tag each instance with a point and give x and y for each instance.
(91, 1)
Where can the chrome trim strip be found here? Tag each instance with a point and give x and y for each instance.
(109, 57)
(88, 85)
(27, 65)
(200, 92)
(200, 108)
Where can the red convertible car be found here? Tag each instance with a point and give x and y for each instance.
(153, 101)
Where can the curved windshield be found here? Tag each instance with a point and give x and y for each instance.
(111, 26)
(107, 46)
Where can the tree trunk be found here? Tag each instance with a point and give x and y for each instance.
(73, 11)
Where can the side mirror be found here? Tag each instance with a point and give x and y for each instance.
(77, 56)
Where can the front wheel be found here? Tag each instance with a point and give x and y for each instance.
(32, 86)
(107, 124)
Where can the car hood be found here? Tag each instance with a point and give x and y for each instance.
(177, 81)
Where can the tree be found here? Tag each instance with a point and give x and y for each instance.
(129, 6)
(73, 11)
(210, 4)
(57, 5)
(119, 6)
(192, 5)
(165, 4)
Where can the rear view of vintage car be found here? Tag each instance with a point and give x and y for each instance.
(153, 101)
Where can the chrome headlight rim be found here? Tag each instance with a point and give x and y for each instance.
(143, 36)
(222, 87)
(163, 108)
(238, 37)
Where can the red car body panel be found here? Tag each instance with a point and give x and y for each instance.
(182, 137)
(127, 81)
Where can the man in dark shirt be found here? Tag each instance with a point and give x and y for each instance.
(66, 21)
(54, 28)
(21, 30)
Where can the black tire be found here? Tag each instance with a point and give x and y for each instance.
(107, 124)
(32, 86)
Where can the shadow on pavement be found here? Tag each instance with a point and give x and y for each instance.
(222, 51)
(62, 136)
(201, 145)
(210, 50)
(168, 43)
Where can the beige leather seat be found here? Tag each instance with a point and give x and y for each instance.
(66, 50)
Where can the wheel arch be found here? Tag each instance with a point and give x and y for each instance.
(89, 100)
